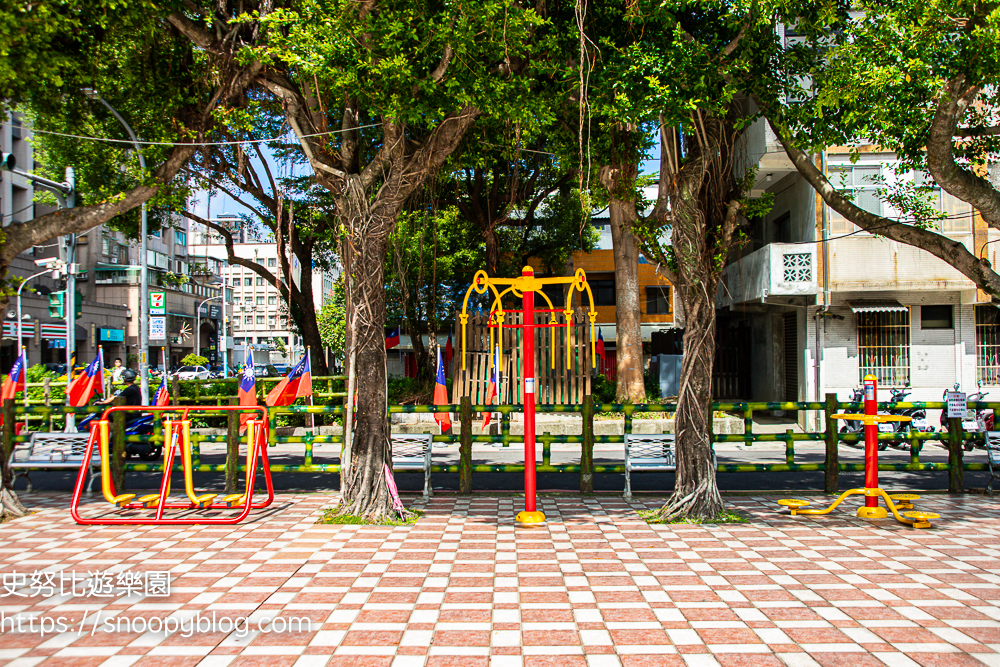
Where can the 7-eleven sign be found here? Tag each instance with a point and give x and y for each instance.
(157, 303)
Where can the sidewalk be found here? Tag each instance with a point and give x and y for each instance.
(595, 586)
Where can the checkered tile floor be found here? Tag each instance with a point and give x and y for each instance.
(594, 586)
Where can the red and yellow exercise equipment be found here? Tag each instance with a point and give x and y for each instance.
(177, 437)
(872, 491)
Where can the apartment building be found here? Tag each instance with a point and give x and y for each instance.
(259, 314)
(189, 284)
(824, 303)
(101, 322)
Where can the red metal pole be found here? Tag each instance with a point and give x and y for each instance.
(529, 393)
(871, 508)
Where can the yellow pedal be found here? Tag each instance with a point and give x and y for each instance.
(123, 499)
(793, 503)
(205, 499)
(234, 500)
(150, 500)
(904, 500)
(921, 519)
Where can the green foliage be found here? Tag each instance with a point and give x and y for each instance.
(194, 360)
(332, 320)
(332, 516)
(725, 516)
(410, 391)
(603, 390)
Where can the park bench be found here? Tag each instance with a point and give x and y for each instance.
(52, 451)
(993, 458)
(412, 451)
(650, 453)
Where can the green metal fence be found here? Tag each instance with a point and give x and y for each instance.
(469, 417)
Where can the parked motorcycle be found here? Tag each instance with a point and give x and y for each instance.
(140, 425)
(918, 416)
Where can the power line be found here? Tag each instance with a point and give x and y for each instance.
(208, 143)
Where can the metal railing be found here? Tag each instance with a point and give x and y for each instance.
(468, 417)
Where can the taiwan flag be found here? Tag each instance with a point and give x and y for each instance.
(441, 395)
(599, 348)
(491, 390)
(392, 340)
(86, 383)
(162, 396)
(15, 381)
(297, 383)
(248, 389)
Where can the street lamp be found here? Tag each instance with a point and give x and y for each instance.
(51, 265)
(143, 274)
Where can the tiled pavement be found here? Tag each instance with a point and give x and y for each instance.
(594, 586)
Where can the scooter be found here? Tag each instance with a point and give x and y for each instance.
(918, 416)
(854, 425)
(141, 425)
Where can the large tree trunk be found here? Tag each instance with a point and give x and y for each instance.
(696, 492)
(365, 491)
(620, 182)
(703, 204)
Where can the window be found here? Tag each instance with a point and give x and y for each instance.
(236, 300)
(248, 281)
(959, 212)
(248, 320)
(884, 347)
(860, 181)
(658, 300)
(260, 281)
(180, 238)
(272, 300)
(260, 319)
(988, 344)
(604, 292)
(271, 261)
(260, 300)
(936, 317)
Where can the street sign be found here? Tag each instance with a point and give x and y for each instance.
(956, 405)
(157, 304)
(158, 327)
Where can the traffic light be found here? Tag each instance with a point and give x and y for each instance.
(78, 305)
(7, 162)
(57, 305)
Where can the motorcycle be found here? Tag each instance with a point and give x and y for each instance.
(918, 416)
(140, 425)
(854, 425)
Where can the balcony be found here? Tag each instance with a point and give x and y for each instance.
(776, 270)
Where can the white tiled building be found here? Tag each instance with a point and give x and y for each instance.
(258, 312)
(823, 314)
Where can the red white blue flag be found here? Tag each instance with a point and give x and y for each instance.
(162, 395)
(392, 340)
(15, 382)
(297, 383)
(441, 394)
(248, 388)
(86, 383)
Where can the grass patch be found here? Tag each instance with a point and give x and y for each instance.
(330, 516)
(725, 516)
